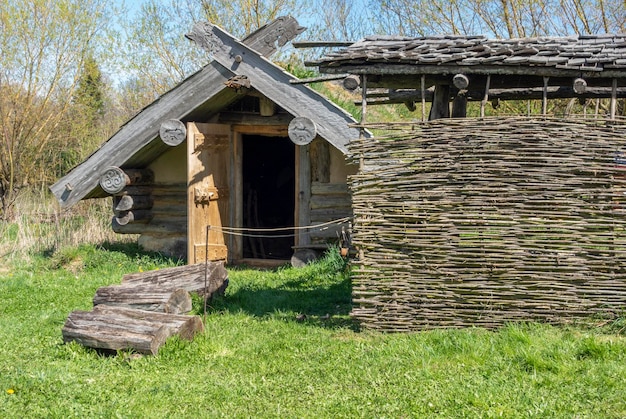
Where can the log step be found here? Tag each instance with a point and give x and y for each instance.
(191, 278)
(121, 328)
(144, 297)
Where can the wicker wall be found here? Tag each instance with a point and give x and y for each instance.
(464, 222)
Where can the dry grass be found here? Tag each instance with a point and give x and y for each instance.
(42, 226)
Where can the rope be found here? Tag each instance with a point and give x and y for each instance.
(235, 231)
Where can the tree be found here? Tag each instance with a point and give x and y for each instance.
(155, 52)
(44, 44)
(500, 18)
(89, 94)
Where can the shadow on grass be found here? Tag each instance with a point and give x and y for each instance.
(134, 251)
(304, 299)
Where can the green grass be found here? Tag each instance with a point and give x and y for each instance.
(259, 358)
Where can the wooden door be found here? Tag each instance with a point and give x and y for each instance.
(208, 158)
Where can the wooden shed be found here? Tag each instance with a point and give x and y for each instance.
(496, 217)
(239, 161)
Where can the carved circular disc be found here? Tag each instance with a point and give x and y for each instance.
(173, 132)
(113, 180)
(302, 130)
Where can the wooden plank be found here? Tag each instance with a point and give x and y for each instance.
(319, 152)
(273, 82)
(330, 201)
(318, 188)
(391, 72)
(303, 192)
(208, 168)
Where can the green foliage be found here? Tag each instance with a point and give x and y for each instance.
(89, 93)
(43, 44)
(259, 358)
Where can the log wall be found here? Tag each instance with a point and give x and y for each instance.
(464, 222)
(166, 232)
(330, 196)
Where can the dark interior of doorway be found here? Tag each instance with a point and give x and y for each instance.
(268, 173)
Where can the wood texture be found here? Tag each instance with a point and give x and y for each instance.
(202, 279)
(118, 328)
(140, 131)
(148, 298)
(465, 222)
(596, 56)
(277, 33)
(299, 100)
(208, 169)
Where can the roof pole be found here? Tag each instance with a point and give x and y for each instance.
(363, 102)
(544, 104)
(486, 97)
(423, 97)
(613, 98)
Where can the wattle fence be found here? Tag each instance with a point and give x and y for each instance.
(463, 222)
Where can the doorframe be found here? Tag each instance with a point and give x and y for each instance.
(302, 182)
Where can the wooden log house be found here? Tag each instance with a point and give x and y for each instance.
(236, 146)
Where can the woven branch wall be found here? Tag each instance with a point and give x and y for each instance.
(466, 222)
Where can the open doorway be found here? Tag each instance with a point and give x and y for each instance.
(268, 175)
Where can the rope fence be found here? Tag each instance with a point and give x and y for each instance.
(239, 231)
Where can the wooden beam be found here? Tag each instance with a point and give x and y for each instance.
(278, 32)
(321, 44)
(119, 328)
(146, 297)
(393, 70)
(273, 82)
(554, 92)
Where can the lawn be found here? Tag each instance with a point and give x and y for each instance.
(281, 344)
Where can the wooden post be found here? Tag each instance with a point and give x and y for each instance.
(423, 92)
(363, 104)
(441, 103)
(613, 98)
(483, 103)
(544, 101)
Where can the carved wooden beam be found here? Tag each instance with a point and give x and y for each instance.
(114, 179)
(278, 32)
(173, 132)
(272, 81)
